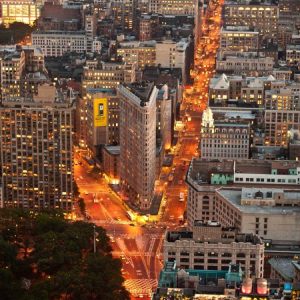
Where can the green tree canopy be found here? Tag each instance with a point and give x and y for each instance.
(15, 32)
(44, 256)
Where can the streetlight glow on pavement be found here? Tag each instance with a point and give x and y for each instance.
(138, 241)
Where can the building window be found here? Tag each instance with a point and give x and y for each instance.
(226, 254)
(212, 261)
(184, 259)
(198, 253)
(241, 255)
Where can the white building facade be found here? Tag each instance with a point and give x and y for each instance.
(56, 43)
(138, 142)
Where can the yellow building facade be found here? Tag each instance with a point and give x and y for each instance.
(19, 11)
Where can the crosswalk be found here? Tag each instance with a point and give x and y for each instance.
(140, 286)
(130, 236)
(134, 253)
(111, 221)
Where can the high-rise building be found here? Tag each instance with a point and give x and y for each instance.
(164, 117)
(60, 17)
(56, 43)
(293, 55)
(12, 66)
(138, 141)
(141, 53)
(238, 38)
(260, 15)
(172, 54)
(36, 151)
(148, 25)
(281, 114)
(286, 7)
(107, 74)
(25, 11)
(221, 247)
(124, 14)
(22, 69)
(223, 138)
(105, 131)
(103, 77)
(172, 7)
(255, 196)
(248, 63)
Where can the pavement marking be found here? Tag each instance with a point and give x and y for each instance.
(140, 286)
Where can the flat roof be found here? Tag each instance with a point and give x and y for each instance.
(113, 150)
(283, 266)
(142, 89)
(173, 236)
(234, 196)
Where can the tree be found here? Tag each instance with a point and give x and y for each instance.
(81, 205)
(61, 262)
(15, 32)
(9, 282)
(76, 189)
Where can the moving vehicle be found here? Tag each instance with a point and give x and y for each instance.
(130, 216)
(171, 177)
(181, 196)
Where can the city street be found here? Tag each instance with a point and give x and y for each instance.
(139, 245)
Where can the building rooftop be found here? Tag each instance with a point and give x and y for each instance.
(137, 44)
(235, 196)
(231, 123)
(297, 265)
(202, 223)
(60, 32)
(7, 49)
(163, 75)
(219, 83)
(252, 2)
(283, 266)
(59, 12)
(173, 236)
(201, 172)
(142, 89)
(110, 92)
(231, 55)
(113, 150)
(265, 166)
(47, 96)
(293, 47)
(241, 115)
(230, 29)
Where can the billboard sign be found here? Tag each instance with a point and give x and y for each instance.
(100, 112)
